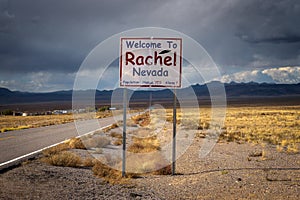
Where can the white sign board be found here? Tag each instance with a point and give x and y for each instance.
(151, 62)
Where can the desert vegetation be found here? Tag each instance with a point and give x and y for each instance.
(278, 126)
(11, 123)
(141, 140)
(149, 131)
(273, 125)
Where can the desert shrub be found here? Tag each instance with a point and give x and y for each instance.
(116, 135)
(76, 143)
(98, 150)
(103, 108)
(96, 142)
(64, 159)
(56, 149)
(169, 118)
(144, 145)
(142, 119)
(292, 148)
(118, 142)
(200, 134)
(113, 126)
(203, 125)
(145, 122)
(110, 175)
(130, 123)
(153, 163)
(88, 162)
(112, 160)
(7, 112)
(14, 128)
(167, 170)
(190, 124)
(256, 153)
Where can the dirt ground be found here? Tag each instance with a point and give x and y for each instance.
(230, 171)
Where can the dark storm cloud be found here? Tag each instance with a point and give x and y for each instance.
(263, 21)
(274, 39)
(268, 30)
(54, 36)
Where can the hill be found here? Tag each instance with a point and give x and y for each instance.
(233, 90)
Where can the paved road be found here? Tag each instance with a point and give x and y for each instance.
(14, 144)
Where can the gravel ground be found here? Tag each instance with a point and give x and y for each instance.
(230, 171)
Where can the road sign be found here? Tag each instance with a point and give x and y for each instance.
(151, 62)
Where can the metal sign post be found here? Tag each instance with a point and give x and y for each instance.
(174, 134)
(124, 132)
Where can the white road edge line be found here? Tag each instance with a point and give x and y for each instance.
(40, 150)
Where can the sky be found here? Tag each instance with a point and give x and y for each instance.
(44, 42)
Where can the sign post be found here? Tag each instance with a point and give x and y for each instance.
(150, 63)
(124, 132)
(174, 134)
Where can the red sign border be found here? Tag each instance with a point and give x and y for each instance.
(149, 86)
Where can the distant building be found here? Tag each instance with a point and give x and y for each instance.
(60, 112)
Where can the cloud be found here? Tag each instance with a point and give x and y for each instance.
(269, 21)
(285, 75)
(38, 81)
(246, 76)
(289, 75)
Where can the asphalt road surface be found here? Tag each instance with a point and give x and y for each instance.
(14, 144)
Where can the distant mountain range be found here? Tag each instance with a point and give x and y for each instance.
(233, 90)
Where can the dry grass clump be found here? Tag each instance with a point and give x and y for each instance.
(116, 135)
(194, 124)
(119, 138)
(190, 124)
(129, 123)
(14, 128)
(141, 132)
(60, 156)
(142, 119)
(89, 162)
(98, 150)
(109, 174)
(169, 118)
(144, 145)
(55, 150)
(64, 159)
(203, 125)
(113, 126)
(118, 142)
(76, 143)
(96, 141)
(150, 163)
(292, 148)
(167, 170)
(103, 114)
